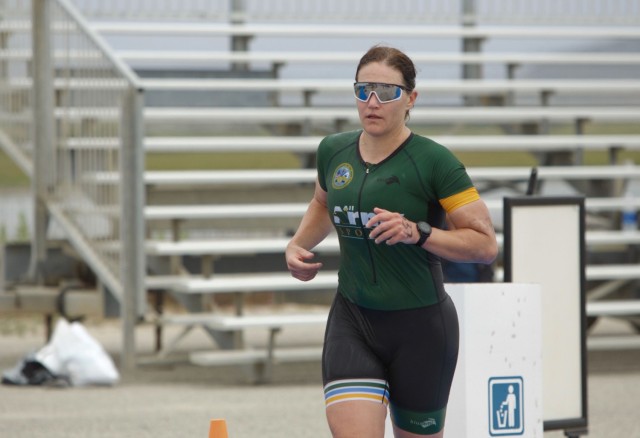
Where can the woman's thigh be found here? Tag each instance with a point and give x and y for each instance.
(357, 418)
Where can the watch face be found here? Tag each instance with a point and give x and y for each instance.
(424, 227)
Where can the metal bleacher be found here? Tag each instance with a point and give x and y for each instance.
(202, 229)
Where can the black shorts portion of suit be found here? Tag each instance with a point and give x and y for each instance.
(406, 358)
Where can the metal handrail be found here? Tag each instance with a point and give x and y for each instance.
(58, 173)
(120, 66)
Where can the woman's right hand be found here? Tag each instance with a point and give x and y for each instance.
(299, 262)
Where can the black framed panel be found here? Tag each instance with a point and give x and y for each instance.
(544, 243)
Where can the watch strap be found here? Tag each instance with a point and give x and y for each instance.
(423, 235)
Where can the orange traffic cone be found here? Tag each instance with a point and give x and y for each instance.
(218, 429)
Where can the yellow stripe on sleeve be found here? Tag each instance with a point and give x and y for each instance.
(459, 199)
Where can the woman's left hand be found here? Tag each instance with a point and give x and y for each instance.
(391, 228)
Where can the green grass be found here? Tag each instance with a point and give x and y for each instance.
(203, 161)
(591, 158)
(10, 174)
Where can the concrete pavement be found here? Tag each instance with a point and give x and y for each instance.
(180, 400)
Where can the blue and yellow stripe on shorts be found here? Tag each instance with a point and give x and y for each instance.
(374, 390)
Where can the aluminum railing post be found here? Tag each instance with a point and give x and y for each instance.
(43, 132)
(239, 43)
(132, 258)
(470, 45)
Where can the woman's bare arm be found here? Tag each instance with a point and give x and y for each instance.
(470, 239)
(313, 229)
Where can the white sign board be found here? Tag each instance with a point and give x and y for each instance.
(544, 244)
(497, 388)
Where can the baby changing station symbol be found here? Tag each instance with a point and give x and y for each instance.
(506, 406)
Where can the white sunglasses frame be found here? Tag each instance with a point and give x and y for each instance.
(401, 87)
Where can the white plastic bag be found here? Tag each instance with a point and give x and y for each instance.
(72, 352)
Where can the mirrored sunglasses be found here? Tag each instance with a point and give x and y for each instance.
(385, 93)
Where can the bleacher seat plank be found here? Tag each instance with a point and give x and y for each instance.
(610, 172)
(154, 28)
(612, 237)
(608, 342)
(613, 272)
(592, 204)
(466, 86)
(282, 281)
(408, 31)
(233, 246)
(299, 176)
(309, 144)
(224, 211)
(223, 177)
(597, 308)
(612, 203)
(291, 114)
(597, 204)
(319, 57)
(254, 356)
(331, 245)
(627, 271)
(297, 210)
(613, 308)
(228, 357)
(243, 283)
(221, 322)
(424, 115)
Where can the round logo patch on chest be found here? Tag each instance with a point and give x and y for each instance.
(342, 176)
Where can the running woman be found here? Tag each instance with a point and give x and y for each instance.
(392, 335)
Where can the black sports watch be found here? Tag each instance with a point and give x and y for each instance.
(424, 229)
